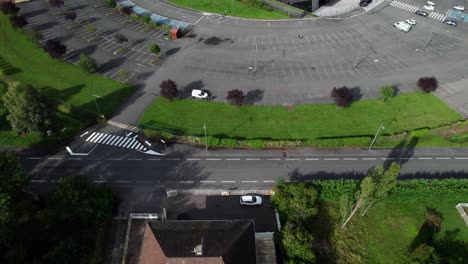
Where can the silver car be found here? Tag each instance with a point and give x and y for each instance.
(250, 200)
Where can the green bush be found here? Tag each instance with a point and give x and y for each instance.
(111, 3)
(155, 135)
(338, 142)
(420, 132)
(146, 18)
(155, 48)
(228, 142)
(333, 190)
(458, 138)
(64, 108)
(387, 91)
(282, 143)
(255, 143)
(87, 63)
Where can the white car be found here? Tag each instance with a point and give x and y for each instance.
(459, 8)
(199, 94)
(430, 3)
(250, 200)
(428, 7)
(411, 21)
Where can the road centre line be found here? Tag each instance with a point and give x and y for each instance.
(349, 158)
(252, 159)
(153, 159)
(121, 181)
(268, 181)
(312, 159)
(100, 181)
(425, 158)
(212, 159)
(274, 159)
(143, 181)
(192, 159)
(207, 181)
(461, 158)
(369, 158)
(186, 182)
(54, 158)
(134, 159)
(233, 159)
(293, 159)
(228, 181)
(34, 158)
(442, 158)
(173, 159)
(249, 181)
(331, 159)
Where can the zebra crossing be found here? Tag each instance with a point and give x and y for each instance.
(413, 8)
(117, 141)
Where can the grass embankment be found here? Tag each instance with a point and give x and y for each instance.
(24, 61)
(236, 8)
(405, 112)
(393, 226)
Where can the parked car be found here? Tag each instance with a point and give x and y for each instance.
(411, 21)
(428, 7)
(421, 13)
(450, 23)
(430, 3)
(459, 8)
(364, 3)
(199, 94)
(250, 200)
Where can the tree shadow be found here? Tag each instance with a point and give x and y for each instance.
(63, 94)
(172, 51)
(138, 41)
(401, 153)
(254, 96)
(323, 236)
(213, 41)
(7, 67)
(45, 26)
(112, 63)
(426, 233)
(186, 91)
(451, 248)
(356, 92)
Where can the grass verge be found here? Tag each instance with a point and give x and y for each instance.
(404, 113)
(24, 61)
(233, 8)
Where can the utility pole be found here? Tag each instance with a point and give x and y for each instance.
(376, 135)
(95, 101)
(206, 139)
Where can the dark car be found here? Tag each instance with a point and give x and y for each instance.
(421, 13)
(450, 23)
(365, 3)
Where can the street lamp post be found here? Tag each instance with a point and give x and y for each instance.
(376, 135)
(206, 139)
(95, 101)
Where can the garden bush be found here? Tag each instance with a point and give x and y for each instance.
(255, 143)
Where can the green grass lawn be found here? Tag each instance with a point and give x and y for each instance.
(233, 7)
(405, 112)
(393, 225)
(23, 61)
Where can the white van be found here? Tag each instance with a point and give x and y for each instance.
(403, 26)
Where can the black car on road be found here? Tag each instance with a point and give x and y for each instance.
(421, 13)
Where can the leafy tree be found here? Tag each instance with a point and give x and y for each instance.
(155, 48)
(433, 221)
(168, 89)
(55, 48)
(236, 97)
(387, 91)
(295, 202)
(427, 84)
(70, 15)
(18, 21)
(9, 8)
(297, 244)
(28, 110)
(126, 10)
(56, 3)
(119, 38)
(342, 96)
(76, 200)
(87, 63)
(111, 3)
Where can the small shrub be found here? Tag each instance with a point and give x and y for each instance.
(55, 48)
(126, 10)
(111, 3)
(91, 28)
(155, 48)
(236, 97)
(255, 143)
(64, 108)
(420, 132)
(9, 8)
(282, 143)
(87, 63)
(156, 135)
(342, 96)
(213, 141)
(387, 92)
(427, 84)
(229, 142)
(146, 18)
(168, 89)
(458, 138)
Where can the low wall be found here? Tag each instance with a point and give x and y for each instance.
(292, 11)
(462, 212)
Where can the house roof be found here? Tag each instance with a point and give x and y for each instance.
(225, 241)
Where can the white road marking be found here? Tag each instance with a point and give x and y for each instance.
(232, 159)
(274, 159)
(461, 158)
(134, 159)
(387, 158)
(252, 159)
(153, 159)
(311, 159)
(228, 181)
(293, 159)
(143, 181)
(349, 158)
(425, 158)
(192, 159)
(249, 181)
(207, 181)
(269, 181)
(369, 158)
(53, 158)
(34, 158)
(443, 158)
(100, 181)
(331, 159)
(173, 159)
(115, 159)
(121, 181)
(212, 159)
(186, 181)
